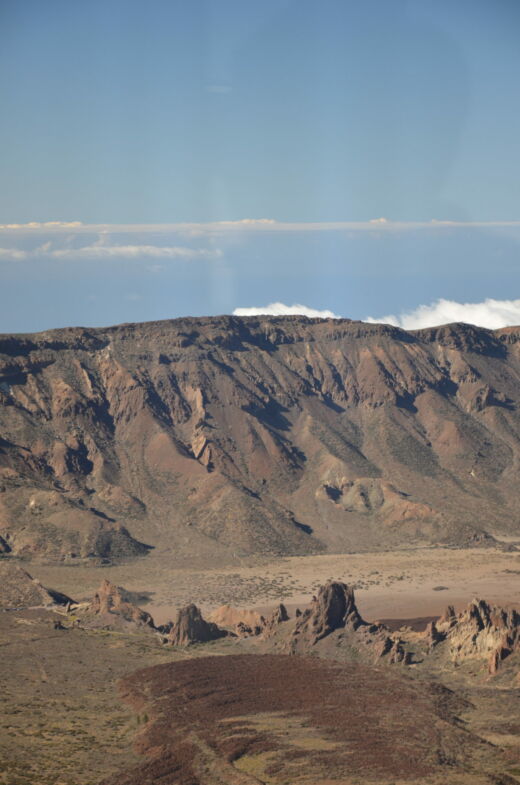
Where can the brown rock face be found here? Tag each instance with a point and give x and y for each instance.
(332, 609)
(111, 600)
(275, 435)
(229, 617)
(332, 622)
(433, 635)
(18, 589)
(189, 627)
(448, 618)
(481, 631)
(279, 616)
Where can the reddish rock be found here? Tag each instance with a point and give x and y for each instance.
(111, 600)
(189, 627)
(333, 608)
(279, 616)
(383, 646)
(449, 616)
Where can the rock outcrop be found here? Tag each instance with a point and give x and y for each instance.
(190, 627)
(433, 635)
(235, 619)
(332, 624)
(18, 589)
(482, 631)
(111, 602)
(278, 616)
(334, 608)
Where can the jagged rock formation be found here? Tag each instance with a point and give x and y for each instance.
(481, 631)
(393, 649)
(111, 600)
(189, 627)
(18, 589)
(230, 435)
(334, 608)
(330, 625)
(278, 616)
(433, 635)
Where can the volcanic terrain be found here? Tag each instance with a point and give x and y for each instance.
(316, 522)
(229, 436)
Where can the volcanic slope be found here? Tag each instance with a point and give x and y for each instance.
(245, 719)
(275, 435)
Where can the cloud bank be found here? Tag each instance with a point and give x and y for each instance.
(52, 225)
(96, 251)
(492, 314)
(101, 250)
(253, 225)
(280, 309)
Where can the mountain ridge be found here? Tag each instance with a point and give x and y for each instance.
(271, 435)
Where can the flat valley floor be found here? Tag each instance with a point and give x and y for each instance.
(394, 584)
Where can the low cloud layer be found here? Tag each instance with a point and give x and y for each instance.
(134, 251)
(253, 225)
(492, 314)
(102, 250)
(280, 309)
(48, 225)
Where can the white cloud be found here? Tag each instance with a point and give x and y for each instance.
(15, 254)
(252, 225)
(245, 222)
(102, 251)
(279, 309)
(492, 314)
(44, 225)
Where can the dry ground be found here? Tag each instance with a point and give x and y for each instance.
(62, 721)
(393, 584)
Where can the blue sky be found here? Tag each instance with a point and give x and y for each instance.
(130, 114)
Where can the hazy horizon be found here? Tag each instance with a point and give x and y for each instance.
(359, 159)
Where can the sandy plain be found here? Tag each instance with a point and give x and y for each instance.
(395, 584)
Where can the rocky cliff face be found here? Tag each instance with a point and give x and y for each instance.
(256, 435)
(480, 632)
(334, 608)
(332, 622)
